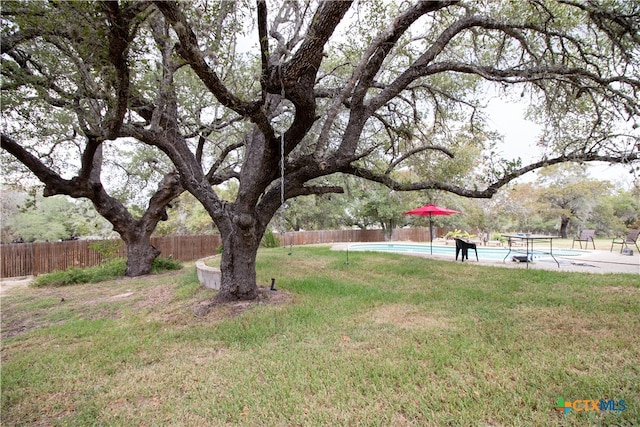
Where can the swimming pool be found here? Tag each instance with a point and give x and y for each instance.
(484, 253)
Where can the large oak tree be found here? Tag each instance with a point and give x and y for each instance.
(365, 89)
(66, 90)
(68, 82)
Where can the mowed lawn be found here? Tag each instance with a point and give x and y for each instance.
(385, 340)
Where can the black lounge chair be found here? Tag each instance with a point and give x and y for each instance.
(464, 246)
(624, 242)
(585, 236)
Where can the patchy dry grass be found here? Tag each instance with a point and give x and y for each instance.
(384, 340)
(407, 316)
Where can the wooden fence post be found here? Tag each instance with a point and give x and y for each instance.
(34, 259)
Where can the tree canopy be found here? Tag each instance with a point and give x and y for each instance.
(390, 92)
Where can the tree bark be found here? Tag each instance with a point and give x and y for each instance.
(140, 254)
(564, 225)
(238, 265)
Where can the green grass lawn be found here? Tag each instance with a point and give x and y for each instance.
(387, 340)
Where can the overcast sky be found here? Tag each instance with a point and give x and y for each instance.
(520, 136)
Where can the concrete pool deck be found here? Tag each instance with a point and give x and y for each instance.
(594, 261)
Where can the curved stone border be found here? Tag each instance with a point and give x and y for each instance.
(209, 277)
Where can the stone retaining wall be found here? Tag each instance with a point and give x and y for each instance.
(209, 277)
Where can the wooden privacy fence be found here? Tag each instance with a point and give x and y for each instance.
(25, 259)
(333, 236)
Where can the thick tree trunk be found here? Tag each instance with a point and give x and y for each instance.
(238, 266)
(140, 256)
(136, 234)
(564, 225)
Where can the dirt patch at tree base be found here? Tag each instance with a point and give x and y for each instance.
(266, 296)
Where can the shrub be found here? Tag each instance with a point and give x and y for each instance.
(458, 234)
(62, 278)
(498, 236)
(108, 270)
(165, 264)
(270, 240)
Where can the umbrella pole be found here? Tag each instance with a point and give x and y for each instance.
(431, 234)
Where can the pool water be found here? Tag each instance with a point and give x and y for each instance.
(484, 253)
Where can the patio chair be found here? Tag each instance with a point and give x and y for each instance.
(624, 242)
(464, 246)
(585, 236)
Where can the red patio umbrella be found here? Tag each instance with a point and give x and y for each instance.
(430, 210)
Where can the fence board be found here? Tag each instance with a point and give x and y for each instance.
(25, 259)
(335, 236)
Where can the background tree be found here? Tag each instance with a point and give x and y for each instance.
(187, 217)
(522, 206)
(315, 212)
(626, 210)
(570, 195)
(367, 90)
(48, 219)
